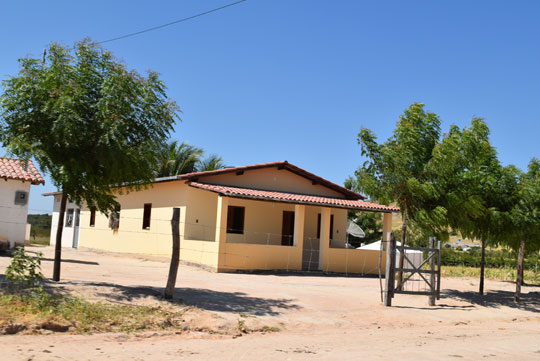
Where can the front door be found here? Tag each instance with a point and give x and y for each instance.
(287, 229)
(76, 228)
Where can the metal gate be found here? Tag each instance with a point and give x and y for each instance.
(415, 279)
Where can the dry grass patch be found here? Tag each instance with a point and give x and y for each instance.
(37, 311)
(499, 274)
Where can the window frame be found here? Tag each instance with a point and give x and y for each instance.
(92, 217)
(147, 217)
(235, 216)
(70, 214)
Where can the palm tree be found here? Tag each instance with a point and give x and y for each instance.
(183, 158)
(212, 162)
(177, 158)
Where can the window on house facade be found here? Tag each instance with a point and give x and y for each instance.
(319, 226)
(69, 217)
(146, 215)
(92, 217)
(235, 219)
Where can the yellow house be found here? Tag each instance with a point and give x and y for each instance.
(273, 216)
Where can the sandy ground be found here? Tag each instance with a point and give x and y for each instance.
(321, 317)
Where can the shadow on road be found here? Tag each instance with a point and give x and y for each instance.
(92, 263)
(496, 299)
(211, 300)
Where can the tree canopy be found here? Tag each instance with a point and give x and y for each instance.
(395, 169)
(88, 121)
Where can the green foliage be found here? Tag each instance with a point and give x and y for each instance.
(469, 191)
(525, 214)
(371, 224)
(41, 224)
(392, 168)
(501, 274)
(183, 158)
(177, 158)
(212, 162)
(88, 121)
(494, 259)
(396, 169)
(24, 270)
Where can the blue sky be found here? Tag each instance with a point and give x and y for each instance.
(295, 80)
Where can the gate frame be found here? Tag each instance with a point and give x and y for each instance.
(434, 284)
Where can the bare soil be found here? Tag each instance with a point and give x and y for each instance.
(319, 317)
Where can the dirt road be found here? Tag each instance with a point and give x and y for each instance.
(322, 318)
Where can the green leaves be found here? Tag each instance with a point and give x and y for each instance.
(88, 121)
(183, 158)
(395, 171)
(24, 271)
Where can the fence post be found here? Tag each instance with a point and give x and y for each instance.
(519, 280)
(175, 257)
(432, 278)
(390, 272)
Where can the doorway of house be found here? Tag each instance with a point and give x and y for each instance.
(311, 254)
(76, 228)
(287, 229)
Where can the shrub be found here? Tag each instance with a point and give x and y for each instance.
(24, 270)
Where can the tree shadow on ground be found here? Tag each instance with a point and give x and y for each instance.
(439, 306)
(210, 300)
(44, 259)
(497, 299)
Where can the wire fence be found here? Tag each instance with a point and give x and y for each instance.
(264, 248)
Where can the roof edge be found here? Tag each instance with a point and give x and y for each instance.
(285, 165)
(367, 208)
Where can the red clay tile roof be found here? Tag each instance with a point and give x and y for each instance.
(14, 169)
(280, 165)
(238, 192)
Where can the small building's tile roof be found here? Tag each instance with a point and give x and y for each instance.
(349, 194)
(248, 193)
(11, 168)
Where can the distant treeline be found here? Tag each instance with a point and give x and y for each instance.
(494, 259)
(41, 224)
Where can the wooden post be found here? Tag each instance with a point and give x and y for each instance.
(175, 257)
(58, 245)
(390, 270)
(432, 269)
(519, 280)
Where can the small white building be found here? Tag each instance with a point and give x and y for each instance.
(18, 175)
(414, 256)
(70, 232)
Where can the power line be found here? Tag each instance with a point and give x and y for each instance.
(172, 23)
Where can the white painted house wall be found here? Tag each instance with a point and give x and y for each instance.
(68, 233)
(13, 217)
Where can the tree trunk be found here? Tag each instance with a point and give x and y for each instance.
(175, 257)
(482, 263)
(403, 243)
(390, 270)
(519, 280)
(58, 245)
(433, 289)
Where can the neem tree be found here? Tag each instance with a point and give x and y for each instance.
(472, 192)
(525, 217)
(395, 168)
(88, 121)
